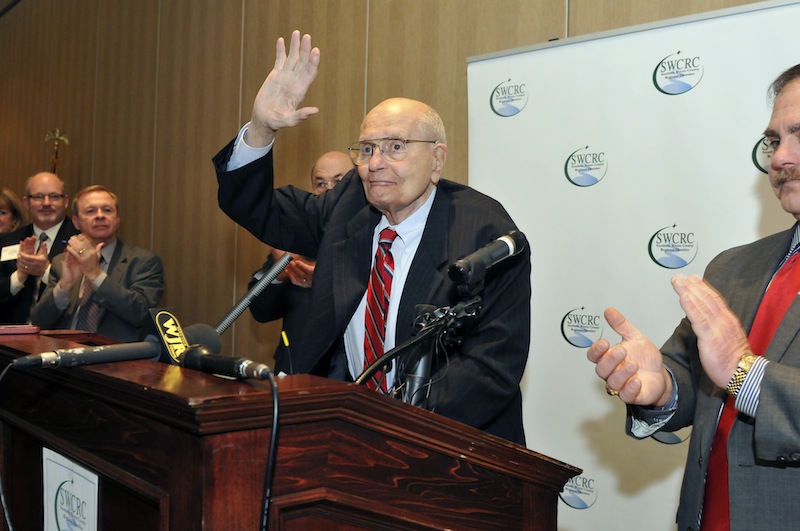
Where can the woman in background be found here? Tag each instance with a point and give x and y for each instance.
(12, 215)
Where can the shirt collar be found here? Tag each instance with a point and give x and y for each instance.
(410, 228)
(52, 232)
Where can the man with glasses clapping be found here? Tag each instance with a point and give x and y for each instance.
(26, 253)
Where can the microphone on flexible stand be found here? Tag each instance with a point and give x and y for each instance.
(201, 358)
(469, 272)
(253, 292)
(418, 372)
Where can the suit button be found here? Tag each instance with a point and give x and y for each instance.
(795, 456)
(781, 458)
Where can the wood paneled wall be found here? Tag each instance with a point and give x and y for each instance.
(149, 91)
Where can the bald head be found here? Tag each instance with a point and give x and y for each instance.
(329, 170)
(406, 110)
(402, 153)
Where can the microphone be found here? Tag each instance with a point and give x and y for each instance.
(200, 358)
(203, 334)
(472, 268)
(254, 292)
(168, 330)
(150, 348)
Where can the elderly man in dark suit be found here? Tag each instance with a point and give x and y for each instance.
(100, 284)
(26, 253)
(732, 367)
(431, 222)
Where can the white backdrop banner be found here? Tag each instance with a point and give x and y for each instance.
(625, 158)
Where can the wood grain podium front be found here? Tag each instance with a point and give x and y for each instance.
(176, 449)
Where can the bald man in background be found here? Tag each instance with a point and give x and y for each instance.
(289, 296)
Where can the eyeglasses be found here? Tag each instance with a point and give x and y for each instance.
(326, 184)
(38, 198)
(391, 148)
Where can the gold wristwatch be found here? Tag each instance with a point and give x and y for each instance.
(745, 362)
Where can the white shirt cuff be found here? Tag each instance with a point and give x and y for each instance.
(243, 154)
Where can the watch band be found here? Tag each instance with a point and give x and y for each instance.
(736, 381)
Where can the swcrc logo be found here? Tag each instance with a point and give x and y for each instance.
(671, 248)
(585, 167)
(677, 74)
(581, 328)
(580, 492)
(762, 155)
(508, 98)
(71, 512)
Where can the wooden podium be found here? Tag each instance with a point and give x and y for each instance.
(176, 449)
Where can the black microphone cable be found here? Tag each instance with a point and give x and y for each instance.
(269, 475)
(194, 358)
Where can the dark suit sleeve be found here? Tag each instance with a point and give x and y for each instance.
(8, 267)
(286, 217)
(5, 285)
(479, 386)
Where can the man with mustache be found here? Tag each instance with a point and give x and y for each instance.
(26, 253)
(100, 284)
(732, 367)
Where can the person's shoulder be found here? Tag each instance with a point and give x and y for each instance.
(132, 251)
(767, 251)
(16, 236)
(779, 240)
(468, 199)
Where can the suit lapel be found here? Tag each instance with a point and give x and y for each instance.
(749, 290)
(118, 264)
(346, 270)
(63, 235)
(350, 253)
(426, 269)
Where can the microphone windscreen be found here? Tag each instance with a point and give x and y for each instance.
(203, 334)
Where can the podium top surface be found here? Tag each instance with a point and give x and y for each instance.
(203, 404)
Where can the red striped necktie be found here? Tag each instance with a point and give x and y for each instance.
(378, 292)
(779, 296)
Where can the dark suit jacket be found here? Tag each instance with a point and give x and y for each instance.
(282, 301)
(17, 308)
(135, 284)
(763, 452)
(480, 384)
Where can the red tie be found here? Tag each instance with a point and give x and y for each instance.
(779, 296)
(378, 291)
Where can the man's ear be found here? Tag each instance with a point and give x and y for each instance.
(439, 159)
